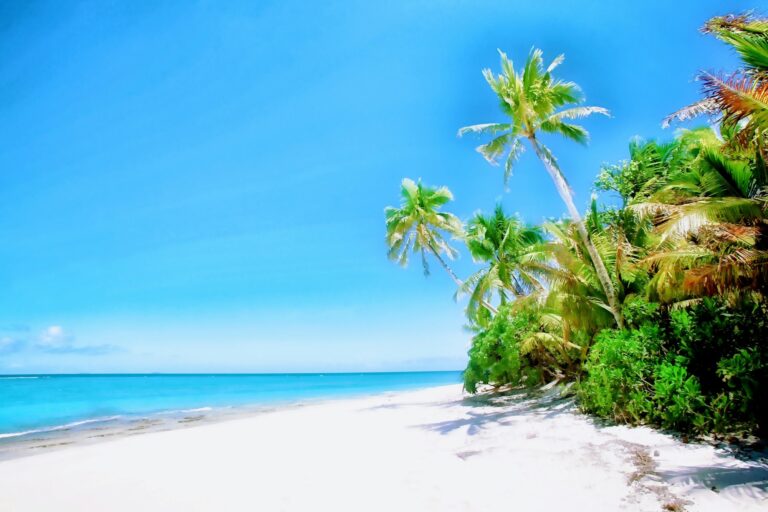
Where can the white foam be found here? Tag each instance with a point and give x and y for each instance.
(59, 427)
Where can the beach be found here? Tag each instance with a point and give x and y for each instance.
(431, 449)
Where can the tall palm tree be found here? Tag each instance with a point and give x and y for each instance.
(418, 226)
(508, 247)
(536, 102)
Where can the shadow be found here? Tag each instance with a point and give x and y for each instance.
(416, 405)
(751, 481)
(483, 410)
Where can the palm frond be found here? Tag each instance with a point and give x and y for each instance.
(579, 112)
(489, 128)
(706, 106)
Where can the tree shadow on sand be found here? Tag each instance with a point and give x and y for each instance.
(484, 410)
(748, 482)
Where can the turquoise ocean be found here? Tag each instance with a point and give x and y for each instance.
(38, 404)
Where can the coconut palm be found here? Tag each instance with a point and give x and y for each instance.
(713, 226)
(652, 164)
(739, 100)
(418, 226)
(508, 247)
(535, 102)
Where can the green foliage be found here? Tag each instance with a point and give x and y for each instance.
(639, 311)
(647, 169)
(677, 397)
(510, 253)
(534, 101)
(495, 356)
(418, 225)
(701, 368)
(659, 308)
(620, 371)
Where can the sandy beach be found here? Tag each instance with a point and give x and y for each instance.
(427, 450)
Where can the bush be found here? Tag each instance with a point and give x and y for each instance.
(620, 371)
(700, 369)
(678, 402)
(495, 356)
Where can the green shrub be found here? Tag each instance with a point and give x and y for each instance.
(638, 311)
(495, 356)
(678, 402)
(726, 347)
(702, 369)
(620, 372)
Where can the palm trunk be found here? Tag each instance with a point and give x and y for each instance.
(565, 193)
(456, 279)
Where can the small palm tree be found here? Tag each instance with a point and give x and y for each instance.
(508, 247)
(419, 227)
(534, 102)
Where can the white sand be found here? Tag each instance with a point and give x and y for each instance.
(419, 451)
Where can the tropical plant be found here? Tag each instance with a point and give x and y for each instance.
(652, 164)
(495, 356)
(509, 249)
(418, 226)
(712, 223)
(740, 100)
(658, 309)
(535, 102)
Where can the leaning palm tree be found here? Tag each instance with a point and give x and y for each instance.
(418, 226)
(536, 102)
(509, 249)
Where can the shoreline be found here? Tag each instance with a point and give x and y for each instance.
(89, 431)
(421, 450)
(111, 417)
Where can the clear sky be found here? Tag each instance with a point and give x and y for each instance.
(199, 186)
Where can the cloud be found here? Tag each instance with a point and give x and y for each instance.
(53, 337)
(51, 340)
(9, 344)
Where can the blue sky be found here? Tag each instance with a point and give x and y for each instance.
(199, 186)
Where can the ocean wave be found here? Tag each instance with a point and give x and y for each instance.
(184, 411)
(18, 377)
(59, 427)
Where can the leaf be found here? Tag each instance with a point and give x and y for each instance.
(706, 106)
(490, 128)
(579, 112)
(494, 149)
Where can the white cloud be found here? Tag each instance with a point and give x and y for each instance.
(54, 337)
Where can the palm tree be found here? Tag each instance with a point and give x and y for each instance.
(712, 221)
(419, 226)
(535, 102)
(574, 291)
(508, 247)
(740, 100)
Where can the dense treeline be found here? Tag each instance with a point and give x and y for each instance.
(655, 309)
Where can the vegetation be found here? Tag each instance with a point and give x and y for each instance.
(657, 308)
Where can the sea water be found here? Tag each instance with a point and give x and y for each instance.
(34, 404)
